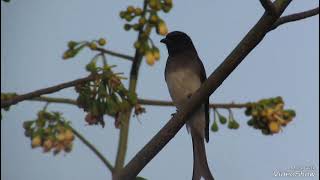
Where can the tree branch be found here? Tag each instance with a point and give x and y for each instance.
(295, 17)
(269, 7)
(112, 53)
(125, 117)
(147, 102)
(37, 93)
(170, 103)
(94, 150)
(247, 44)
(48, 90)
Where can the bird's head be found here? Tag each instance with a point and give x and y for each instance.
(178, 42)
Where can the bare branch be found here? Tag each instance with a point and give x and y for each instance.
(295, 17)
(170, 103)
(48, 90)
(148, 102)
(112, 53)
(54, 100)
(247, 44)
(94, 150)
(269, 7)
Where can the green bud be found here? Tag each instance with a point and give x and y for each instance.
(214, 127)
(250, 122)
(130, 9)
(122, 14)
(166, 8)
(291, 112)
(230, 124)
(136, 27)
(265, 131)
(222, 119)
(27, 124)
(72, 44)
(236, 125)
(41, 122)
(248, 111)
(127, 27)
(137, 45)
(128, 17)
(138, 11)
(91, 67)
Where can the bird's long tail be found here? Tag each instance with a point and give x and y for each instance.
(200, 164)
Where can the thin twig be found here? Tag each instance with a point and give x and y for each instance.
(54, 100)
(147, 102)
(112, 53)
(295, 17)
(94, 149)
(214, 105)
(37, 93)
(269, 7)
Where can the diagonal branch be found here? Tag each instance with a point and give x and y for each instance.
(247, 44)
(112, 53)
(295, 17)
(37, 93)
(269, 7)
(94, 149)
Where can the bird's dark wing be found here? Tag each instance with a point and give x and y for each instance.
(203, 77)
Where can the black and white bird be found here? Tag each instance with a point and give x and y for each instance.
(184, 74)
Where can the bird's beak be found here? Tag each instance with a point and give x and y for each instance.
(164, 41)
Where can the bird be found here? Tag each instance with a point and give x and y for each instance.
(184, 74)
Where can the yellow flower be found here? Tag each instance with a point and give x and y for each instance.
(162, 28)
(156, 55)
(150, 58)
(61, 137)
(36, 141)
(69, 135)
(274, 127)
(47, 145)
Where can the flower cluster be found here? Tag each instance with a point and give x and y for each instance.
(49, 131)
(269, 115)
(105, 95)
(147, 19)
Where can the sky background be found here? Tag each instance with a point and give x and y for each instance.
(34, 35)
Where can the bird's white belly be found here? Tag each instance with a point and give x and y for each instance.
(181, 84)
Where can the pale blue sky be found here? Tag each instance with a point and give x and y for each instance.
(34, 35)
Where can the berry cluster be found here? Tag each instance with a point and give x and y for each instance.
(49, 131)
(147, 19)
(105, 95)
(269, 115)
